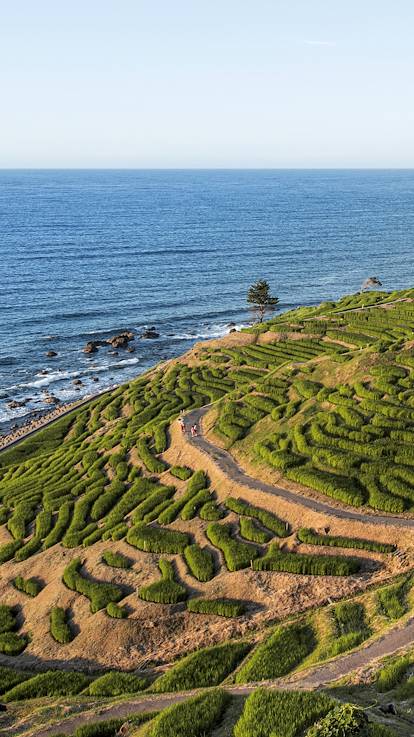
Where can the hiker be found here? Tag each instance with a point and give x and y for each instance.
(182, 425)
(194, 431)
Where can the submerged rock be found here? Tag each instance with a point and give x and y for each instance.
(90, 347)
(150, 333)
(50, 354)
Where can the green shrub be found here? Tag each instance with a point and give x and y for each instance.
(237, 555)
(8, 620)
(153, 464)
(59, 628)
(208, 666)
(279, 654)
(49, 683)
(392, 600)
(345, 720)
(11, 643)
(181, 472)
(166, 590)
(310, 565)
(339, 487)
(391, 674)
(8, 550)
(116, 559)
(200, 562)
(116, 611)
(198, 481)
(350, 626)
(157, 539)
(116, 683)
(211, 512)
(195, 717)
(29, 586)
(269, 520)
(310, 537)
(9, 677)
(191, 508)
(281, 713)
(99, 593)
(250, 530)
(62, 523)
(220, 607)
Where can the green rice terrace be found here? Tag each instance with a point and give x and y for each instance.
(275, 548)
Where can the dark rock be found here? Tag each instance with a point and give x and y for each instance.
(43, 372)
(150, 333)
(131, 349)
(3, 707)
(121, 340)
(51, 399)
(50, 354)
(231, 325)
(389, 709)
(95, 378)
(232, 330)
(91, 347)
(113, 353)
(15, 404)
(77, 382)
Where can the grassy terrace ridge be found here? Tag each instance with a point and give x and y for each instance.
(321, 398)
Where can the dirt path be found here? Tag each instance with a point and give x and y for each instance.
(228, 466)
(398, 638)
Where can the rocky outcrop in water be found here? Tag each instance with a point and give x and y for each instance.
(150, 333)
(121, 340)
(51, 354)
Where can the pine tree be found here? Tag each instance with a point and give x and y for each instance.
(261, 300)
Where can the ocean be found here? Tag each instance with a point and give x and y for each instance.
(86, 254)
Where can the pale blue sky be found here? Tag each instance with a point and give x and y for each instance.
(206, 83)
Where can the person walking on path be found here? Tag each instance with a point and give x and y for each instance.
(182, 424)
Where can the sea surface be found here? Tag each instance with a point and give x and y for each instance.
(86, 254)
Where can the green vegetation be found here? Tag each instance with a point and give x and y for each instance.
(110, 727)
(115, 611)
(115, 559)
(99, 593)
(220, 607)
(116, 683)
(10, 642)
(250, 530)
(200, 562)
(310, 565)
(181, 472)
(279, 654)
(208, 666)
(392, 600)
(166, 590)
(157, 539)
(9, 677)
(310, 537)
(195, 717)
(29, 586)
(269, 520)
(350, 627)
(59, 627)
(236, 554)
(391, 674)
(48, 684)
(281, 713)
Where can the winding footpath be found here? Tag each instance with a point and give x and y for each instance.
(226, 463)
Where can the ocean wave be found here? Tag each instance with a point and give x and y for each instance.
(215, 331)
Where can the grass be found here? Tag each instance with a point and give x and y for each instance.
(99, 593)
(219, 607)
(269, 520)
(8, 620)
(12, 643)
(392, 600)
(208, 666)
(29, 586)
(49, 683)
(281, 713)
(392, 673)
(116, 683)
(309, 565)
(9, 677)
(200, 562)
(250, 530)
(181, 472)
(116, 559)
(111, 727)
(59, 627)
(157, 539)
(196, 717)
(279, 654)
(166, 590)
(237, 555)
(308, 536)
(350, 627)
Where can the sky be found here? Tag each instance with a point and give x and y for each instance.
(206, 83)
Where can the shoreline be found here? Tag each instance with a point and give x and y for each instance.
(29, 428)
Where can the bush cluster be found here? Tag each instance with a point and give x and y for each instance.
(309, 565)
(269, 520)
(208, 666)
(59, 627)
(99, 593)
(157, 539)
(29, 586)
(310, 537)
(166, 590)
(220, 607)
(200, 562)
(237, 555)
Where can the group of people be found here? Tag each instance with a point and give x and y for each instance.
(193, 428)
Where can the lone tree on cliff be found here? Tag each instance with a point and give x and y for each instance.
(260, 299)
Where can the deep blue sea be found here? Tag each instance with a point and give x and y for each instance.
(85, 254)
